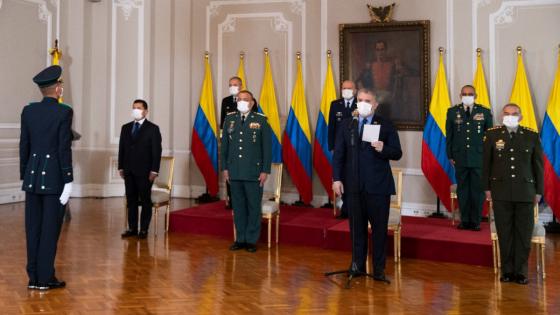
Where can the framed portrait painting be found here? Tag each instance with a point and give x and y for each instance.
(393, 60)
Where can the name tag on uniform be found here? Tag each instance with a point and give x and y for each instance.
(254, 125)
(479, 116)
(500, 144)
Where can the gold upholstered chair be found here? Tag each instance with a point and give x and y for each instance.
(161, 192)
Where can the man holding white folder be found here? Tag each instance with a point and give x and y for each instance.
(369, 180)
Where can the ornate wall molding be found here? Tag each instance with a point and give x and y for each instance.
(506, 15)
(127, 6)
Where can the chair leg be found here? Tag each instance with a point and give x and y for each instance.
(155, 220)
(498, 254)
(269, 230)
(395, 245)
(452, 212)
(399, 241)
(494, 256)
(167, 218)
(234, 229)
(543, 261)
(277, 227)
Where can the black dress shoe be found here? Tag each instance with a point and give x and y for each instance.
(129, 233)
(53, 284)
(32, 284)
(475, 227)
(237, 246)
(251, 248)
(507, 277)
(142, 235)
(462, 226)
(381, 277)
(521, 279)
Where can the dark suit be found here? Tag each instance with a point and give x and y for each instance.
(337, 113)
(45, 167)
(464, 135)
(513, 172)
(369, 185)
(228, 106)
(138, 156)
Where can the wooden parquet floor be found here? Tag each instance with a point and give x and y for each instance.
(192, 274)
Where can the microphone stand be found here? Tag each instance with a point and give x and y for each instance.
(353, 272)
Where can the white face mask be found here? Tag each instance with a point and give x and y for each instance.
(137, 114)
(233, 90)
(364, 109)
(347, 94)
(467, 100)
(243, 107)
(511, 121)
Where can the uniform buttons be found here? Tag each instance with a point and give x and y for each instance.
(468, 146)
(241, 132)
(512, 158)
(512, 167)
(30, 186)
(48, 156)
(42, 187)
(69, 174)
(468, 130)
(240, 140)
(510, 150)
(240, 148)
(512, 175)
(240, 155)
(34, 154)
(468, 123)
(468, 138)
(43, 173)
(32, 172)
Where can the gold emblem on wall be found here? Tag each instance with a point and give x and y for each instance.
(381, 14)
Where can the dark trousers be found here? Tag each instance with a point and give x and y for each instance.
(138, 193)
(43, 219)
(246, 198)
(364, 207)
(228, 190)
(514, 224)
(470, 194)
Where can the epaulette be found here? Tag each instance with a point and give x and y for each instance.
(261, 114)
(494, 128)
(231, 113)
(530, 129)
(64, 104)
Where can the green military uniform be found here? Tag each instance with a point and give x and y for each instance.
(513, 172)
(464, 133)
(246, 153)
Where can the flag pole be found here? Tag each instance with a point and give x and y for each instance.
(438, 214)
(330, 199)
(553, 226)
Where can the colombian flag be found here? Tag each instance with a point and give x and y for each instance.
(269, 107)
(204, 143)
(550, 138)
(322, 157)
(241, 71)
(479, 83)
(296, 151)
(521, 94)
(436, 166)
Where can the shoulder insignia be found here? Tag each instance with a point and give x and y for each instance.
(494, 128)
(64, 104)
(529, 129)
(261, 114)
(231, 113)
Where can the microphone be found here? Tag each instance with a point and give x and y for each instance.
(352, 127)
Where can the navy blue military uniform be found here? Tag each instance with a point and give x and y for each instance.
(45, 167)
(464, 133)
(340, 109)
(369, 185)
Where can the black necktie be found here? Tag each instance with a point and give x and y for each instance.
(364, 122)
(242, 120)
(468, 111)
(135, 129)
(512, 135)
(347, 104)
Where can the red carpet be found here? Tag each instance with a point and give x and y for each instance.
(422, 238)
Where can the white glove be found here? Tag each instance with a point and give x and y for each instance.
(65, 193)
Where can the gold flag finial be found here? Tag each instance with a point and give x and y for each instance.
(266, 51)
(478, 52)
(441, 50)
(519, 50)
(329, 52)
(298, 55)
(206, 55)
(242, 54)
